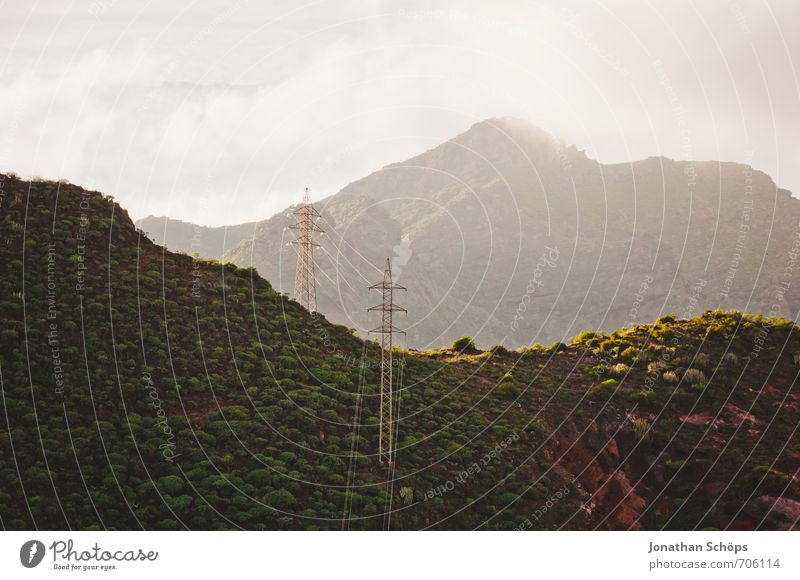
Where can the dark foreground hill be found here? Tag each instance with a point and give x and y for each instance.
(144, 389)
(505, 234)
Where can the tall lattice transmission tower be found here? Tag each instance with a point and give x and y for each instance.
(387, 308)
(305, 284)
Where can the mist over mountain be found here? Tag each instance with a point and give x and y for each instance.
(508, 235)
(189, 238)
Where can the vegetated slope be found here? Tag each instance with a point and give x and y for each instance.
(504, 213)
(144, 389)
(207, 242)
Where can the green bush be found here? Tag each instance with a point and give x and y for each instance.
(730, 358)
(641, 428)
(464, 344)
(603, 391)
(670, 376)
(702, 360)
(644, 396)
(619, 369)
(584, 336)
(498, 349)
(508, 386)
(693, 376)
(764, 479)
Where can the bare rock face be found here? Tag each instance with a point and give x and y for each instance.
(769, 513)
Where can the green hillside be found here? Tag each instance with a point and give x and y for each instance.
(144, 389)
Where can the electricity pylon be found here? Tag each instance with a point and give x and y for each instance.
(387, 308)
(305, 285)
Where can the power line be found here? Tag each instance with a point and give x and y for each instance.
(387, 513)
(305, 284)
(387, 308)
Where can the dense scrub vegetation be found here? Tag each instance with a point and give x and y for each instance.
(146, 389)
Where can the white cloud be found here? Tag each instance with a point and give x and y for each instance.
(218, 112)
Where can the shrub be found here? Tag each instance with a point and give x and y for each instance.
(667, 319)
(731, 358)
(556, 347)
(702, 360)
(538, 491)
(281, 499)
(693, 376)
(498, 349)
(608, 345)
(656, 366)
(602, 391)
(584, 336)
(171, 484)
(670, 377)
(407, 494)
(628, 353)
(763, 479)
(464, 344)
(508, 386)
(619, 369)
(663, 334)
(641, 428)
(644, 395)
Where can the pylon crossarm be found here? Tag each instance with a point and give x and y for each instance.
(307, 208)
(384, 308)
(385, 330)
(311, 228)
(303, 243)
(387, 286)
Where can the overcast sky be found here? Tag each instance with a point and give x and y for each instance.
(223, 111)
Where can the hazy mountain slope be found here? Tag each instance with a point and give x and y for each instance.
(143, 389)
(469, 221)
(206, 242)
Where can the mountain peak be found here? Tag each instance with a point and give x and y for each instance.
(515, 141)
(508, 124)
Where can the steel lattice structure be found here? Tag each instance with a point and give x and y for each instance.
(387, 308)
(305, 285)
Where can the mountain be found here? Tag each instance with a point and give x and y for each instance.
(507, 235)
(188, 238)
(144, 389)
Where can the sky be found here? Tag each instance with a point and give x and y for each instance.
(220, 112)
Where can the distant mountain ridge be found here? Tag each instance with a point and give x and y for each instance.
(506, 234)
(189, 238)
